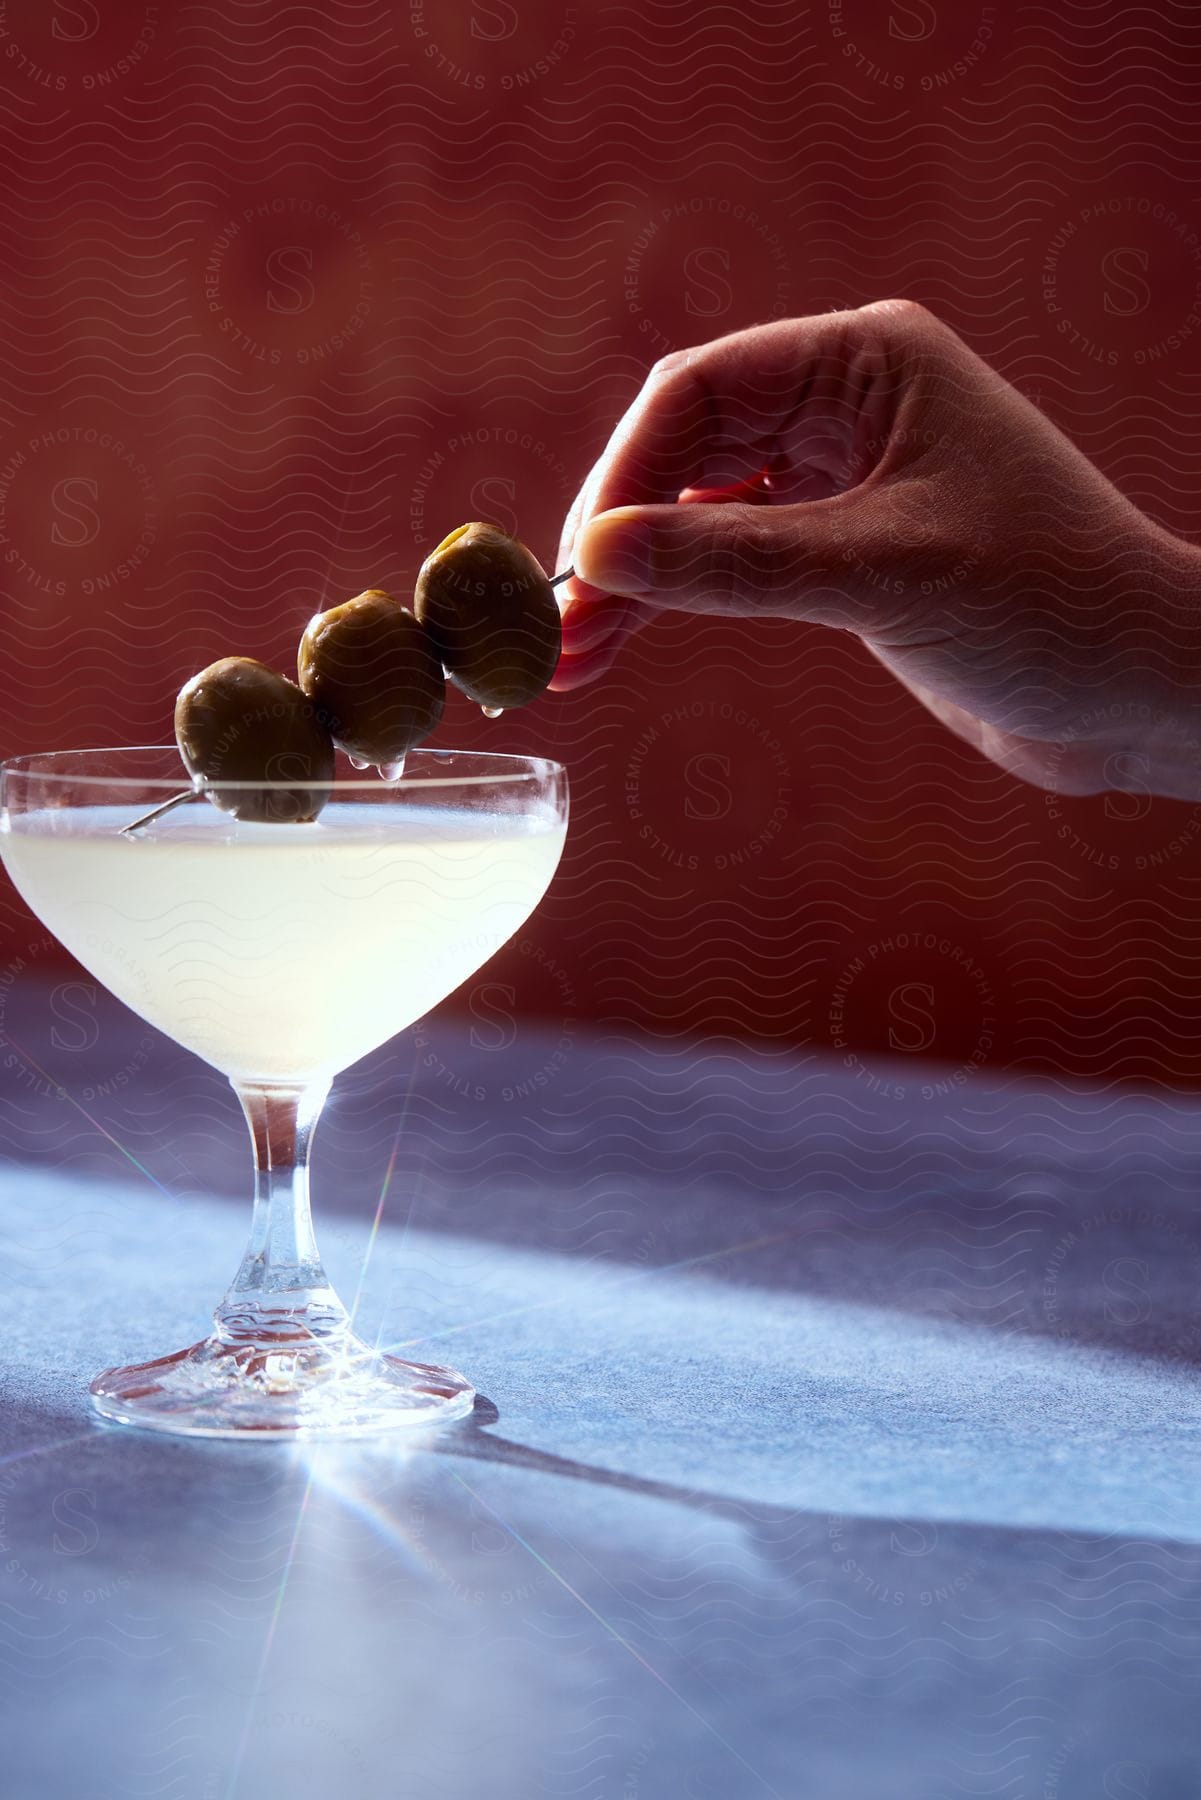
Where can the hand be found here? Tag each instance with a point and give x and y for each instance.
(866, 470)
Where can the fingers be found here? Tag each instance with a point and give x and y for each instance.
(832, 561)
(713, 414)
(781, 413)
(600, 623)
(732, 557)
(596, 623)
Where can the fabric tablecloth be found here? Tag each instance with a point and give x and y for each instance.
(837, 1436)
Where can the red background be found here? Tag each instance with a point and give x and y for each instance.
(332, 280)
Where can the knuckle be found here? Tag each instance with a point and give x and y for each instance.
(909, 316)
(667, 365)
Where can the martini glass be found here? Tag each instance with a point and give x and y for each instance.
(281, 953)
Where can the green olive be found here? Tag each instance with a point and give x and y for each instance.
(487, 604)
(239, 721)
(374, 675)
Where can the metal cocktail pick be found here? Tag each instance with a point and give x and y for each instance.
(178, 799)
(158, 811)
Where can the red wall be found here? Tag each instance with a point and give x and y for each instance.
(290, 291)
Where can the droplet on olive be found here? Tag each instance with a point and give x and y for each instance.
(374, 675)
(238, 721)
(490, 609)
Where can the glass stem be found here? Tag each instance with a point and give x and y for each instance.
(281, 1293)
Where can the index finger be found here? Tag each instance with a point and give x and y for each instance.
(790, 393)
(712, 416)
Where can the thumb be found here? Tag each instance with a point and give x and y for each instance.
(834, 561)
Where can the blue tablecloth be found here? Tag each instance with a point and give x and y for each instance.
(835, 1442)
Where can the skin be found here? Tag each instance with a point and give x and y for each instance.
(865, 470)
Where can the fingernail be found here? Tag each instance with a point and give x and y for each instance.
(614, 553)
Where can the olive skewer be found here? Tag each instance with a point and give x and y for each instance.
(372, 596)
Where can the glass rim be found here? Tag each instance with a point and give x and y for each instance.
(543, 768)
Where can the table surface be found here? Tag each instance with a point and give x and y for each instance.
(837, 1440)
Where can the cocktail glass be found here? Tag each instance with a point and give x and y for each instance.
(281, 953)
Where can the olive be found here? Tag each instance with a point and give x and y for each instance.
(491, 611)
(239, 721)
(374, 676)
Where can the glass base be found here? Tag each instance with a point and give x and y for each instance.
(333, 1385)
